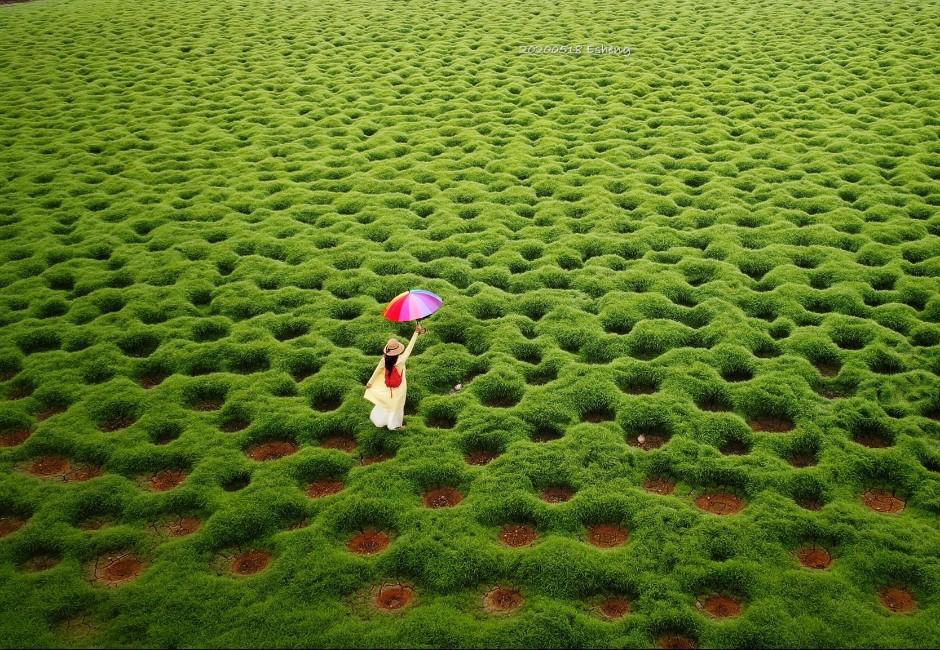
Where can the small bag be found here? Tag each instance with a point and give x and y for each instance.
(393, 379)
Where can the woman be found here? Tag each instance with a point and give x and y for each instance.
(387, 387)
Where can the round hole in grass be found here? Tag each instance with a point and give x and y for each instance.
(649, 439)
(181, 526)
(715, 401)
(502, 600)
(344, 443)
(442, 497)
(326, 400)
(164, 433)
(116, 568)
(518, 535)
(735, 375)
(720, 503)
(607, 535)
(814, 557)
(372, 459)
(40, 562)
(48, 466)
(234, 424)
(480, 456)
(368, 542)
(324, 488)
(872, 435)
(659, 485)
(557, 494)
(883, 501)
(237, 482)
(272, 450)
(393, 597)
(9, 524)
(897, 599)
(613, 608)
(166, 479)
(250, 562)
(720, 606)
(735, 448)
(802, 459)
(769, 423)
(547, 433)
(676, 642)
(15, 436)
(599, 413)
(641, 384)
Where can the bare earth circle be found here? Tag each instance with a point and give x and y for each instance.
(480, 457)
(607, 535)
(14, 438)
(883, 501)
(898, 600)
(659, 485)
(675, 642)
(648, 441)
(324, 487)
(720, 606)
(614, 608)
(166, 479)
(771, 424)
(116, 569)
(39, 563)
(720, 503)
(368, 542)
(10, 524)
(376, 458)
(444, 497)
(82, 473)
(814, 557)
(46, 466)
(392, 597)
(502, 600)
(272, 450)
(341, 443)
(250, 562)
(518, 535)
(183, 526)
(557, 494)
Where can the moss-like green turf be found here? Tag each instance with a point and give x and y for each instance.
(205, 205)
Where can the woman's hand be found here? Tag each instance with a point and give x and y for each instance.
(419, 329)
(369, 384)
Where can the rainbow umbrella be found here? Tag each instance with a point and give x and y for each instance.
(413, 304)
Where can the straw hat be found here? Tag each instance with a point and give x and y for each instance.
(394, 347)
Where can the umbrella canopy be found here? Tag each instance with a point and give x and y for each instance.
(412, 305)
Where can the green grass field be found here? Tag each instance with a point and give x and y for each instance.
(704, 275)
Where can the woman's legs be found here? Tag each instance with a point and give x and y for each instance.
(396, 418)
(379, 416)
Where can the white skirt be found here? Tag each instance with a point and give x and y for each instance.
(382, 417)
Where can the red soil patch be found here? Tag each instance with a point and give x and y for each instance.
(614, 608)
(546, 435)
(502, 600)
(369, 542)
(250, 562)
(392, 597)
(272, 450)
(39, 563)
(659, 485)
(376, 458)
(115, 569)
(827, 369)
(47, 413)
(557, 494)
(153, 379)
(720, 503)
(735, 448)
(775, 425)
(232, 426)
(14, 438)
(713, 406)
(831, 393)
(883, 501)
(166, 480)
(324, 488)
(518, 535)
(94, 523)
(607, 535)
(82, 473)
(208, 405)
(814, 557)
(898, 600)
(49, 466)
(809, 504)
(675, 642)
(803, 460)
(183, 526)
(480, 457)
(444, 497)
(872, 440)
(342, 443)
(117, 423)
(648, 441)
(720, 606)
